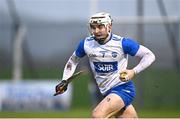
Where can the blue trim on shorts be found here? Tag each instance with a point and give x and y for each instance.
(125, 91)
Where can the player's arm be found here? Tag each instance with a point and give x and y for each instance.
(67, 74)
(134, 49)
(147, 58)
(70, 68)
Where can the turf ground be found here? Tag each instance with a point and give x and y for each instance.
(85, 113)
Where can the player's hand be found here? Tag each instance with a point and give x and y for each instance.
(61, 87)
(127, 75)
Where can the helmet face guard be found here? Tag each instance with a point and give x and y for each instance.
(101, 18)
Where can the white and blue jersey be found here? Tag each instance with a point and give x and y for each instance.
(107, 60)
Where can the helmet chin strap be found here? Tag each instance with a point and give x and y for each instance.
(104, 40)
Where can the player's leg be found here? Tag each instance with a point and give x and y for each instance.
(119, 97)
(109, 106)
(128, 112)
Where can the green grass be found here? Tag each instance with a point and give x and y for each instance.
(77, 113)
(160, 114)
(86, 113)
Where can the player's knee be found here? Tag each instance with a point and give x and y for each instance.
(97, 114)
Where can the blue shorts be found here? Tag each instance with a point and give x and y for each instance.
(125, 91)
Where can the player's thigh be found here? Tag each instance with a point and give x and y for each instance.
(128, 112)
(108, 106)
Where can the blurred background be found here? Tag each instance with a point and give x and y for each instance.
(38, 36)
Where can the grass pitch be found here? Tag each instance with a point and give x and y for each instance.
(75, 113)
(86, 113)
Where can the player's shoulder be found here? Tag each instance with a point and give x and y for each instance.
(129, 41)
(116, 37)
(89, 38)
(85, 40)
(88, 41)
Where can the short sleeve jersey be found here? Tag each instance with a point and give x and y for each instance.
(107, 60)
